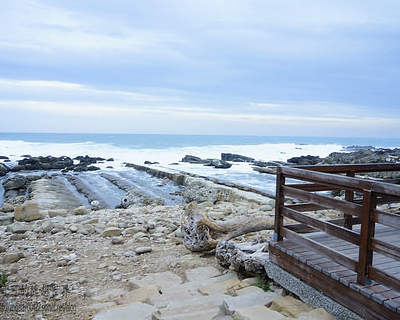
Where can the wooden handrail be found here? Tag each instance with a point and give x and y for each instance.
(310, 181)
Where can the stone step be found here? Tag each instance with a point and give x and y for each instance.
(201, 273)
(230, 305)
(257, 313)
(192, 307)
(194, 315)
(197, 284)
(137, 311)
(160, 279)
(162, 300)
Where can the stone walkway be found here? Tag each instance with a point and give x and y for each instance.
(205, 294)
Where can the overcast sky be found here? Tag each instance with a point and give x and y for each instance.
(254, 67)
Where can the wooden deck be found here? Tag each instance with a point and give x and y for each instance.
(354, 260)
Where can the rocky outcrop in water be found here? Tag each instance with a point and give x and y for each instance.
(305, 160)
(364, 156)
(236, 157)
(54, 163)
(3, 169)
(216, 163)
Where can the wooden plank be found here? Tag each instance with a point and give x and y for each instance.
(384, 278)
(333, 254)
(324, 226)
(343, 182)
(385, 248)
(386, 218)
(311, 187)
(356, 184)
(305, 207)
(366, 233)
(280, 200)
(324, 201)
(343, 168)
(365, 307)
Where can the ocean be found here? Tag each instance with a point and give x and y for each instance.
(168, 150)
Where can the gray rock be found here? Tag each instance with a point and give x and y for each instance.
(13, 257)
(58, 213)
(73, 228)
(139, 310)
(3, 169)
(47, 226)
(19, 227)
(14, 183)
(201, 273)
(230, 305)
(2, 249)
(74, 270)
(141, 250)
(6, 219)
(80, 211)
(111, 232)
(117, 240)
(134, 230)
(151, 224)
(7, 207)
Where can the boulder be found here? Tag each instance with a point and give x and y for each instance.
(29, 211)
(193, 159)
(80, 211)
(13, 257)
(3, 169)
(6, 219)
(235, 157)
(305, 160)
(19, 227)
(219, 164)
(290, 306)
(7, 207)
(111, 232)
(14, 183)
(45, 163)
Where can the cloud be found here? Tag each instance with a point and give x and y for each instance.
(262, 66)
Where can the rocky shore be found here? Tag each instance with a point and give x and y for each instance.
(65, 246)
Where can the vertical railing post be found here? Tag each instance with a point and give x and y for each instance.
(279, 202)
(349, 196)
(367, 232)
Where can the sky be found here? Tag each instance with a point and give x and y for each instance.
(246, 67)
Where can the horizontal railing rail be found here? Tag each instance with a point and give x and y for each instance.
(309, 193)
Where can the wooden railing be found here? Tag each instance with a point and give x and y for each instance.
(359, 207)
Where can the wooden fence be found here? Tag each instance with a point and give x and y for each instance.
(307, 186)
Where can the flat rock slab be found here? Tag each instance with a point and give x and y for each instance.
(136, 311)
(203, 305)
(138, 295)
(249, 290)
(257, 313)
(162, 300)
(230, 305)
(201, 273)
(222, 287)
(197, 284)
(290, 306)
(160, 279)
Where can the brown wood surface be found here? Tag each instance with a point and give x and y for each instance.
(364, 306)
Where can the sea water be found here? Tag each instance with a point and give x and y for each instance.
(168, 150)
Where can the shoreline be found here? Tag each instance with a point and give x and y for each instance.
(96, 252)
